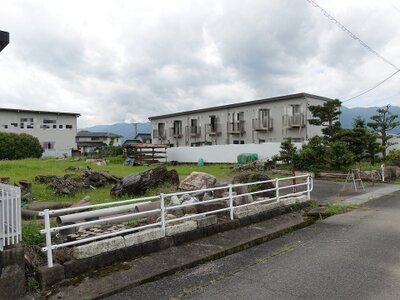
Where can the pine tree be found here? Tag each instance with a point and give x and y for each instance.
(382, 123)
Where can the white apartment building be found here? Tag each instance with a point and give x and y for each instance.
(258, 121)
(56, 131)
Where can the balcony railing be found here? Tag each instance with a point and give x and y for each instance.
(297, 120)
(193, 131)
(236, 127)
(175, 132)
(213, 129)
(263, 124)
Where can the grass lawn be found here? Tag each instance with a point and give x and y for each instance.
(27, 169)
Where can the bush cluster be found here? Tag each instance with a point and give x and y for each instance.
(18, 146)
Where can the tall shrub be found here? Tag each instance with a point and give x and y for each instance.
(18, 146)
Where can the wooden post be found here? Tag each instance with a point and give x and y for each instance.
(293, 173)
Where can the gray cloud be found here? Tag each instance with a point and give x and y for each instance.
(128, 60)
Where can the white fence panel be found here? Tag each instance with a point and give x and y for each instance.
(223, 153)
(10, 215)
(286, 184)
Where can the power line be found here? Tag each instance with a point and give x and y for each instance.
(374, 87)
(352, 35)
(355, 37)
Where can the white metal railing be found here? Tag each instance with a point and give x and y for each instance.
(306, 181)
(10, 215)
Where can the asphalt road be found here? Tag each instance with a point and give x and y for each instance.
(350, 256)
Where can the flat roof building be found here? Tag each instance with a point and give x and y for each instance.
(55, 131)
(257, 121)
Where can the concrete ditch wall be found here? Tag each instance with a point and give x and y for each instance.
(12, 273)
(103, 253)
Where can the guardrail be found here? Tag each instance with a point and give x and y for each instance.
(163, 210)
(10, 215)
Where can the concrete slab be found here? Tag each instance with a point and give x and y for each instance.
(143, 236)
(98, 247)
(180, 227)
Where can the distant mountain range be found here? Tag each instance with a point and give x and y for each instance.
(348, 115)
(129, 130)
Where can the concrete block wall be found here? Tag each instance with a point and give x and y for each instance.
(103, 253)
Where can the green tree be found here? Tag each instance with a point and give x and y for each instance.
(327, 115)
(382, 123)
(18, 146)
(311, 156)
(357, 139)
(288, 151)
(338, 156)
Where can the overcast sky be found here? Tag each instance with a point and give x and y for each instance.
(123, 61)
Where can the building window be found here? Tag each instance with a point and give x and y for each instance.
(296, 109)
(54, 126)
(44, 126)
(49, 121)
(177, 129)
(24, 120)
(263, 116)
(14, 124)
(261, 141)
(48, 145)
(30, 126)
(213, 123)
(5, 126)
(68, 126)
(60, 126)
(21, 125)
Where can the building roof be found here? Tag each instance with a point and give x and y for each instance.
(85, 133)
(91, 144)
(240, 104)
(4, 39)
(141, 145)
(39, 111)
(143, 135)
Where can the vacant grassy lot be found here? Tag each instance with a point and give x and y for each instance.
(27, 169)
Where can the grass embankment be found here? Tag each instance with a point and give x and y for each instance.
(27, 169)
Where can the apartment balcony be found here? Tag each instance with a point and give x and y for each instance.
(236, 127)
(175, 133)
(213, 129)
(193, 131)
(157, 134)
(263, 124)
(296, 121)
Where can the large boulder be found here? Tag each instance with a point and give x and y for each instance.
(139, 183)
(248, 177)
(198, 181)
(370, 175)
(392, 172)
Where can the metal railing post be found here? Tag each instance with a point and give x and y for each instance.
(308, 187)
(48, 238)
(3, 224)
(277, 189)
(162, 203)
(231, 202)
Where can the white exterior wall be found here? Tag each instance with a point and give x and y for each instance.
(223, 153)
(279, 131)
(63, 138)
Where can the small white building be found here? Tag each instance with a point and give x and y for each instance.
(55, 131)
(88, 141)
